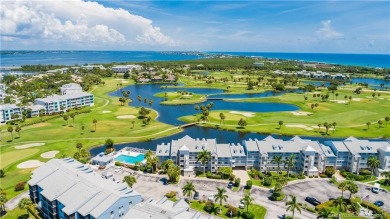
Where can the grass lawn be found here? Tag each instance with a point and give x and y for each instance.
(258, 210)
(57, 135)
(259, 182)
(174, 98)
(235, 188)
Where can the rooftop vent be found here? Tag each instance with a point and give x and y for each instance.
(234, 151)
(196, 147)
(362, 147)
(159, 151)
(166, 151)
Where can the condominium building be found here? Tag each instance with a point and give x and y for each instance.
(354, 153)
(310, 157)
(54, 103)
(3, 88)
(66, 188)
(8, 110)
(125, 68)
(71, 88)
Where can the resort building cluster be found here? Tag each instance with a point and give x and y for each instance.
(72, 96)
(311, 157)
(66, 188)
(314, 75)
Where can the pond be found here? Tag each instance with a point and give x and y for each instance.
(169, 114)
(372, 82)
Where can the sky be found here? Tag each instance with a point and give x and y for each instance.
(246, 26)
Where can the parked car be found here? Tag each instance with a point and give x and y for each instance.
(230, 185)
(312, 201)
(379, 203)
(376, 187)
(211, 197)
(196, 196)
(242, 204)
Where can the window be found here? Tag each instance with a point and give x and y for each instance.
(112, 214)
(130, 203)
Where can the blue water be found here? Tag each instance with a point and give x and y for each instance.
(169, 114)
(18, 58)
(130, 159)
(368, 60)
(372, 82)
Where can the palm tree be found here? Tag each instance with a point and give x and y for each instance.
(41, 113)
(221, 196)
(222, 117)
(148, 154)
(133, 122)
(18, 129)
(293, 205)
(280, 124)
(188, 188)
(343, 186)
(139, 98)
(94, 122)
(352, 188)
(278, 160)
(289, 162)
(340, 202)
(387, 177)
(247, 200)
(130, 180)
(79, 146)
(173, 172)
(204, 156)
(10, 129)
(25, 203)
(72, 115)
(325, 213)
(368, 125)
(319, 126)
(334, 126)
(373, 163)
(66, 117)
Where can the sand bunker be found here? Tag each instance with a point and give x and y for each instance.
(49, 154)
(30, 164)
(340, 101)
(24, 146)
(124, 82)
(356, 99)
(126, 117)
(301, 113)
(300, 126)
(246, 114)
(322, 127)
(106, 111)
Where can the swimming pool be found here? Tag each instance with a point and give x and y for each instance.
(130, 159)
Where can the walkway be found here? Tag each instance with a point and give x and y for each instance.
(13, 203)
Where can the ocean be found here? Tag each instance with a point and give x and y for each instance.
(18, 58)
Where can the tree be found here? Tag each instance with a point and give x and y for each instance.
(25, 204)
(380, 123)
(242, 123)
(173, 172)
(319, 127)
(139, 98)
(325, 213)
(293, 205)
(368, 125)
(18, 129)
(387, 119)
(122, 101)
(203, 156)
(221, 196)
(66, 117)
(247, 200)
(278, 160)
(343, 186)
(41, 113)
(72, 115)
(10, 129)
(79, 146)
(82, 129)
(280, 124)
(3, 200)
(133, 122)
(130, 180)
(196, 107)
(126, 75)
(373, 163)
(109, 144)
(352, 188)
(188, 188)
(340, 202)
(150, 103)
(95, 122)
(334, 126)
(148, 154)
(2, 173)
(289, 162)
(222, 117)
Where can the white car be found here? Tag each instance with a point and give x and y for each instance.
(242, 204)
(211, 197)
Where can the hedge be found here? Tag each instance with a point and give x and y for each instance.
(20, 186)
(375, 208)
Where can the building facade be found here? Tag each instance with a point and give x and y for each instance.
(71, 88)
(310, 157)
(56, 103)
(67, 189)
(10, 112)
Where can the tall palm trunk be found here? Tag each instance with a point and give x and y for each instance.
(293, 214)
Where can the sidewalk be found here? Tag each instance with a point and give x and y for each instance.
(13, 203)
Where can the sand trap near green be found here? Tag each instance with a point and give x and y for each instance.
(126, 117)
(13, 156)
(246, 114)
(301, 113)
(49, 154)
(24, 146)
(300, 126)
(106, 111)
(30, 164)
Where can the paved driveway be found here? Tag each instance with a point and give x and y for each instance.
(243, 175)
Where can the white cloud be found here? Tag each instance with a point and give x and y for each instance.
(77, 22)
(327, 32)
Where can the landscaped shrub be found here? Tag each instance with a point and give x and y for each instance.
(20, 186)
(267, 181)
(260, 175)
(311, 209)
(248, 215)
(231, 177)
(323, 175)
(375, 208)
(209, 206)
(329, 171)
(365, 172)
(212, 176)
(237, 182)
(117, 163)
(293, 175)
(248, 184)
(171, 194)
(327, 204)
(360, 177)
(198, 172)
(278, 196)
(301, 176)
(233, 210)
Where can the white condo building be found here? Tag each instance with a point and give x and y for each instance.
(7, 110)
(52, 104)
(71, 88)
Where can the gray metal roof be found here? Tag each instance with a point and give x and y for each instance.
(163, 149)
(8, 106)
(223, 150)
(251, 145)
(54, 98)
(357, 146)
(77, 187)
(237, 150)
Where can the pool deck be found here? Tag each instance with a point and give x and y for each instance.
(132, 152)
